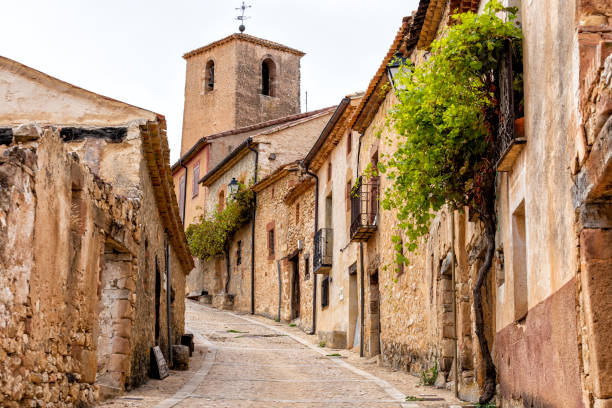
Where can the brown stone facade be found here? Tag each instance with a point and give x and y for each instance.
(91, 243)
(283, 279)
(79, 315)
(237, 99)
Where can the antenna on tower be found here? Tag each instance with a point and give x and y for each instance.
(242, 17)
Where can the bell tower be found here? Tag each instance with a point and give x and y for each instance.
(238, 81)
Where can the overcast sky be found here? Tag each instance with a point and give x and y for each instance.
(132, 50)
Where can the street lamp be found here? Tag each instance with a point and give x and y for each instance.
(393, 67)
(232, 188)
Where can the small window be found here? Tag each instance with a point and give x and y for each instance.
(325, 292)
(268, 77)
(271, 242)
(182, 196)
(329, 171)
(519, 262)
(349, 143)
(297, 213)
(239, 253)
(349, 188)
(195, 186)
(221, 205)
(209, 76)
(306, 267)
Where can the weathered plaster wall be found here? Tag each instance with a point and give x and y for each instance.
(540, 181)
(289, 143)
(86, 291)
(57, 102)
(333, 325)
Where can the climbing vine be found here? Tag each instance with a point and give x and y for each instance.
(447, 118)
(211, 236)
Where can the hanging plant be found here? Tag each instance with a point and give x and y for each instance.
(209, 237)
(447, 120)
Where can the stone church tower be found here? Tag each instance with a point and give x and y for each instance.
(236, 82)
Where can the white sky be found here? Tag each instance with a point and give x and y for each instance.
(132, 50)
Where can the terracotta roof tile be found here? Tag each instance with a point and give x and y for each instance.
(199, 145)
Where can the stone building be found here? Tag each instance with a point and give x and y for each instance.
(545, 309)
(93, 257)
(234, 88)
(254, 159)
(331, 161)
(283, 235)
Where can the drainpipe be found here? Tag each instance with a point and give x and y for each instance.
(278, 267)
(184, 191)
(168, 297)
(314, 278)
(253, 230)
(456, 387)
(361, 276)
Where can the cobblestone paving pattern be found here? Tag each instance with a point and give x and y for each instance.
(247, 361)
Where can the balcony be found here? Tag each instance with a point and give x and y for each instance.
(323, 247)
(364, 209)
(511, 135)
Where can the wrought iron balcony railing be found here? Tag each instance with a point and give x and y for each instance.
(323, 250)
(509, 142)
(364, 209)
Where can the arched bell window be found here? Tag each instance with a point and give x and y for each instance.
(268, 77)
(209, 76)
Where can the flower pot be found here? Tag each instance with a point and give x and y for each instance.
(519, 128)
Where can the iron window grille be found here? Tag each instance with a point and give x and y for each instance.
(508, 144)
(323, 247)
(364, 208)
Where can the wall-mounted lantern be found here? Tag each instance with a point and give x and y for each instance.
(393, 67)
(232, 188)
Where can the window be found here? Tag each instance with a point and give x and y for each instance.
(325, 292)
(349, 188)
(239, 253)
(349, 143)
(268, 77)
(519, 262)
(195, 186)
(306, 267)
(271, 242)
(329, 171)
(221, 204)
(297, 213)
(209, 76)
(182, 196)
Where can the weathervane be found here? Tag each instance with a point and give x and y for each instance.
(242, 17)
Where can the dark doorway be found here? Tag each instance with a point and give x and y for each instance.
(157, 301)
(295, 287)
(374, 335)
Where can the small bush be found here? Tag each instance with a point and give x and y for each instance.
(321, 344)
(430, 376)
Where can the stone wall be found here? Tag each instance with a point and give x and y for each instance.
(80, 287)
(251, 105)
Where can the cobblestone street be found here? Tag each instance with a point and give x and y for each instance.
(245, 361)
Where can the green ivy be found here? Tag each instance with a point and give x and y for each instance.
(444, 120)
(209, 237)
